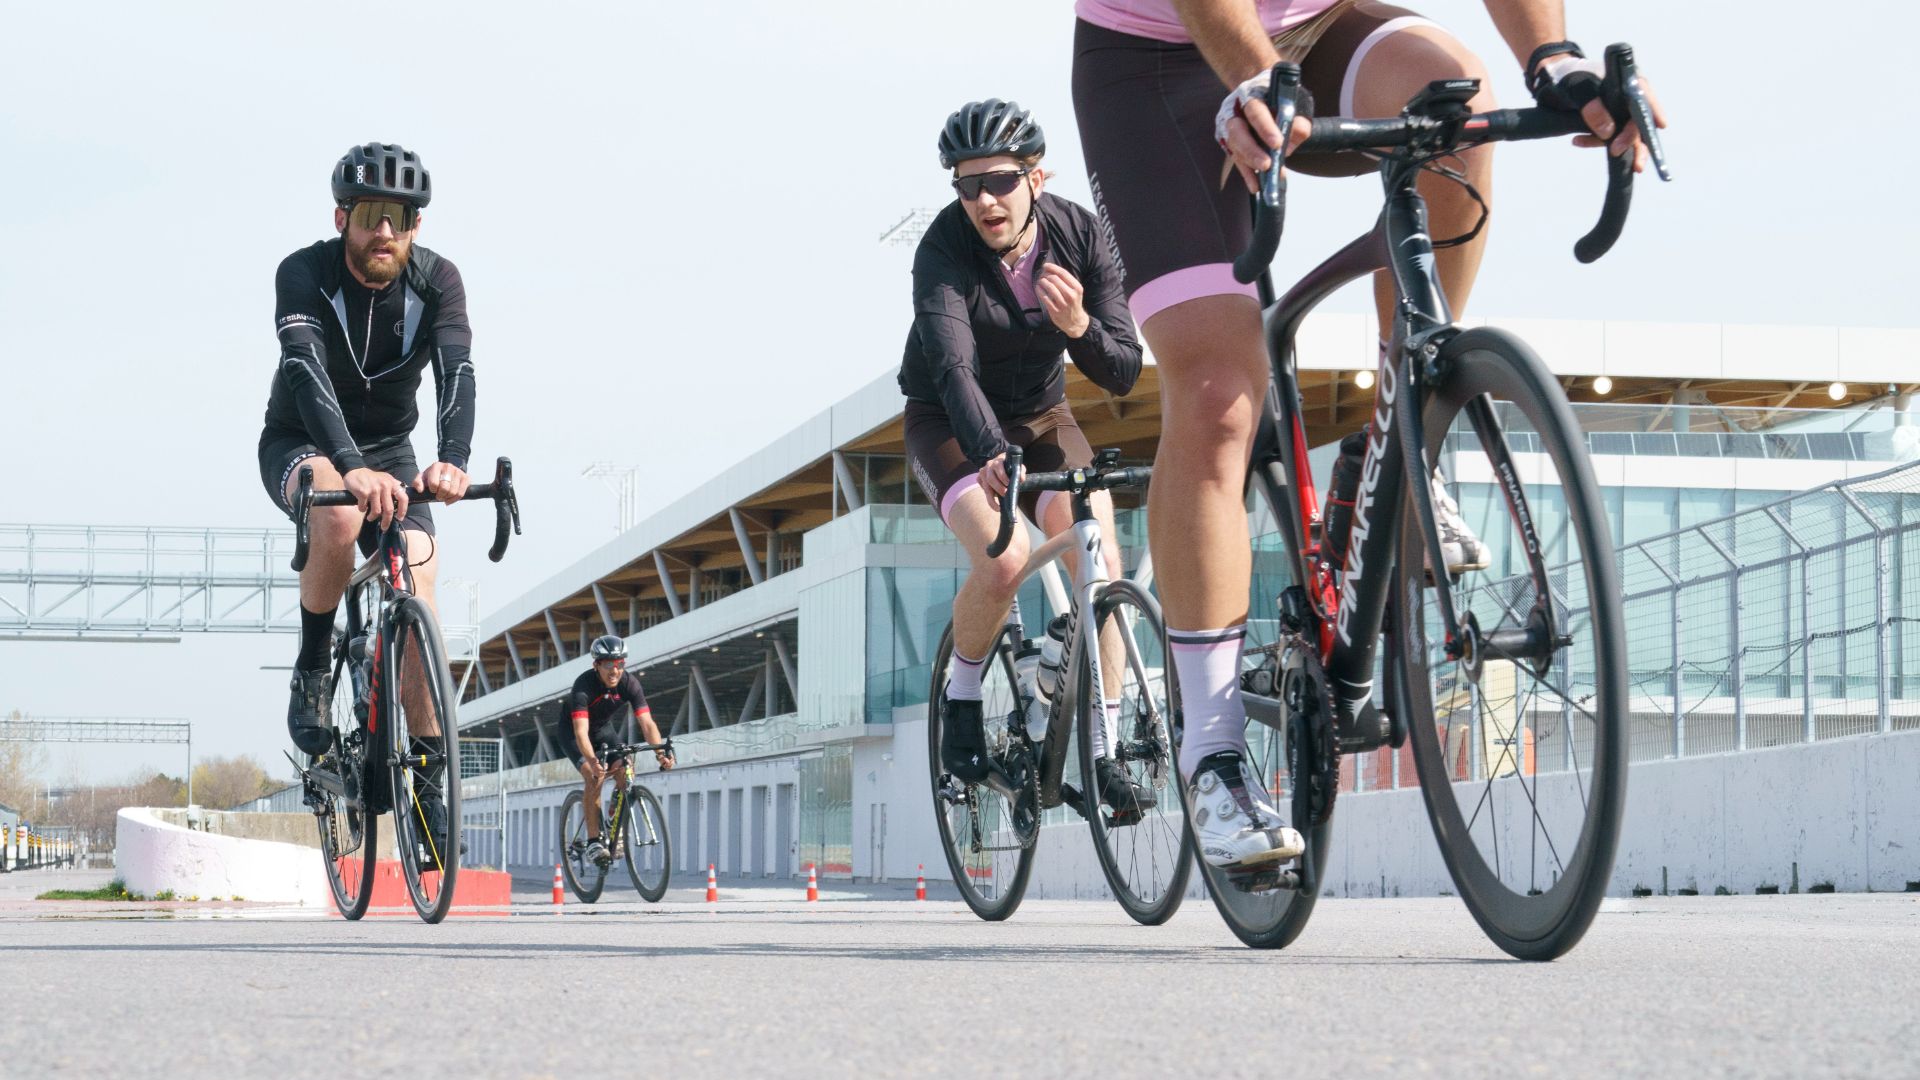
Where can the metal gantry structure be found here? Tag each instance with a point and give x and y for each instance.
(83, 582)
(102, 729)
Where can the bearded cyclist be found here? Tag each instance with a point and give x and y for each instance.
(1006, 279)
(603, 697)
(1161, 145)
(360, 318)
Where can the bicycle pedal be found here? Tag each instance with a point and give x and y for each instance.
(1120, 819)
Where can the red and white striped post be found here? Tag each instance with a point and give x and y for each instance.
(559, 896)
(713, 889)
(813, 883)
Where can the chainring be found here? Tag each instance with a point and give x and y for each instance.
(1313, 753)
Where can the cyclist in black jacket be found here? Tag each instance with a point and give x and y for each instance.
(360, 317)
(1005, 280)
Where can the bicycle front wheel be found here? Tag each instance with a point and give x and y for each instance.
(1520, 742)
(649, 847)
(584, 876)
(987, 855)
(1145, 851)
(425, 761)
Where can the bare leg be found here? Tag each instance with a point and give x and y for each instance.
(980, 607)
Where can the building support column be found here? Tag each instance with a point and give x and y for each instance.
(553, 631)
(747, 555)
(513, 652)
(666, 583)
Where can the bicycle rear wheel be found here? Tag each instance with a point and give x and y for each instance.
(649, 847)
(349, 835)
(584, 876)
(1148, 854)
(1521, 743)
(425, 767)
(989, 860)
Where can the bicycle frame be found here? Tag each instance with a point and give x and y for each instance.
(1091, 575)
(1351, 617)
(387, 570)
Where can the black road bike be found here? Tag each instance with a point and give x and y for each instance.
(634, 825)
(989, 829)
(1512, 689)
(384, 757)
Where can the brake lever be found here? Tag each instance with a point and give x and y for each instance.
(1626, 98)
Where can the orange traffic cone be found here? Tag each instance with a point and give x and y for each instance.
(920, 883)
(558, 895)
(813, 883)
(713, 890)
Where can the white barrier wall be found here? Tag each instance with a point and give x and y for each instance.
(1844, 812)
(156, 856)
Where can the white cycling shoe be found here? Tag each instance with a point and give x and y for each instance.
(1233, 823)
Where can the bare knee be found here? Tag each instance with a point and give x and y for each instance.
(1001, 577)
(333, 527)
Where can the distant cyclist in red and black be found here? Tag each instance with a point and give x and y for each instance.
(603, 697)
(1006, 280)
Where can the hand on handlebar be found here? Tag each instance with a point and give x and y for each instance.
(443, 481)
(993, 480)
(1246, 130)
(664, 759)
(378, 495)
(1571, 82)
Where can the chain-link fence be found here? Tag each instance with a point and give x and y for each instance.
(1788, 622)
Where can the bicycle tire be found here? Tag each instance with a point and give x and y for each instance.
(424, 767)
(349, 876)
(993, 885)
(646, 838)
(1148, 861)
(585, 878)
(1486, 370)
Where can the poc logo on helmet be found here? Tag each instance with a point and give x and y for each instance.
(359, 174)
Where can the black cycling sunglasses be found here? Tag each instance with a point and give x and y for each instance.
(367, 213)
(998, 184)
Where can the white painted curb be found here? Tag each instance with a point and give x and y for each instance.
(155, 856)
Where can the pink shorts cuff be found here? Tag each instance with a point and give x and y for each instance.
(959, 488)
(1212, 279)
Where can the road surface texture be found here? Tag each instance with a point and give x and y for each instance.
(869, 983)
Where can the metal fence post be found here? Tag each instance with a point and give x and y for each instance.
(1880, 628)
(1679, 717)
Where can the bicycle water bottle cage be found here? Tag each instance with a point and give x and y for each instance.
(1444, 99)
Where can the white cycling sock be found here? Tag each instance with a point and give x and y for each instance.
(963, 678)
(1105, 732)
(1208, 663)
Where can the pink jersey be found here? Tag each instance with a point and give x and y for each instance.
(1158, 20)
(1021, 276)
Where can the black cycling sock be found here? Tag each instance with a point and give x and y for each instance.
(316, 635)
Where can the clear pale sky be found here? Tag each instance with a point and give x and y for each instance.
(666, 215)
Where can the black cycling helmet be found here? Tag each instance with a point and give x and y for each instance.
(381, 171)
(608, 647)
(988, 129)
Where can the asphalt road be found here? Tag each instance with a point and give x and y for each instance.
(762, 985)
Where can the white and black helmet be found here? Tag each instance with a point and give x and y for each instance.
(989, 128)
(381, 171)
(608, 647)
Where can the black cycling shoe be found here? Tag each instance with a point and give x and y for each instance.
(1119, 791)
(434, 809)
(963, 742)
(306, 712)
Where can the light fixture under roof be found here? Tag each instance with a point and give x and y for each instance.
(1837, 391)
(1363, 378)
(1603, 386)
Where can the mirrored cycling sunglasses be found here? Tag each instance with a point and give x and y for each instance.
(367, 214)
(998, 184)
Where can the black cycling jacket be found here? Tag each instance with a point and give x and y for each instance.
(351, 357)
(975, 354)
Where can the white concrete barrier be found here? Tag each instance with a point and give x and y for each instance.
(156, 856)
(1843, 812)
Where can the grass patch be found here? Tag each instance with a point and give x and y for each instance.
(112, 890)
